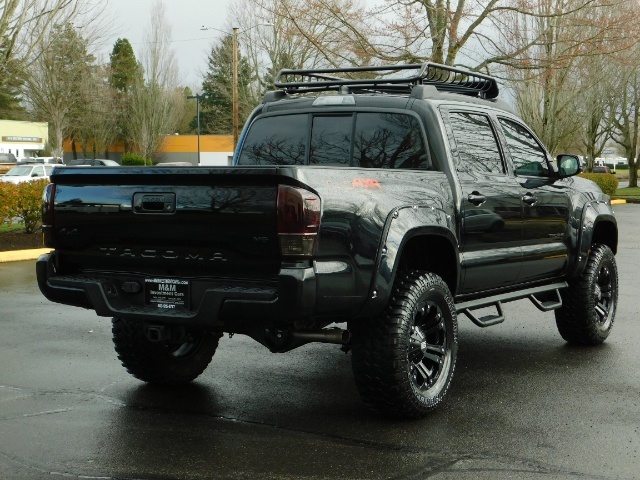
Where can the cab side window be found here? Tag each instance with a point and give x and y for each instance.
(475, 143)
(529, 158)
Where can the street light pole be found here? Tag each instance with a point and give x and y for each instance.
(198, 97)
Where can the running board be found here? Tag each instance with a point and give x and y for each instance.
(488, 320)
(539, 296)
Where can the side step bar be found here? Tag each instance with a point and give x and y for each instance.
(545, 298)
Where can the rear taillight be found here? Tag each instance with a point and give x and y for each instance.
(298, 218)
(47, 204)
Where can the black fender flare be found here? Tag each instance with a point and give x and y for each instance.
(593, 213)
(403, 224)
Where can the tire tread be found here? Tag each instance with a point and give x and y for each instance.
(379, 359)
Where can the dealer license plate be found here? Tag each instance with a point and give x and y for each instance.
(167, 293)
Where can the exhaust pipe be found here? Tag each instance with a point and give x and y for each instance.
(330, 335)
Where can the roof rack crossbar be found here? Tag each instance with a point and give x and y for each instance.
(443, 77)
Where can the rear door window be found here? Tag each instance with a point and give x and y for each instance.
(389, 140)
(476, 143)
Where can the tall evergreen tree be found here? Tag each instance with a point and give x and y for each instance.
(124, 66)
(126, 71)
(216, 115)
(10, 92)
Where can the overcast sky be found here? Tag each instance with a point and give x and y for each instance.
(131, 18)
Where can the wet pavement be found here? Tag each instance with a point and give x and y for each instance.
(522, 404)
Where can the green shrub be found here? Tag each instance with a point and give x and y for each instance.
(23, 200)
(29, 204)
(134, 159)
(8, 201)
(607, 182)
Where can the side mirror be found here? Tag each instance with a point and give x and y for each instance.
(568, 165)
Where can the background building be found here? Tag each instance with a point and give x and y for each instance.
(23, 139)
(214, 150)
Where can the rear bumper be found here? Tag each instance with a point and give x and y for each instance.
(214, 303)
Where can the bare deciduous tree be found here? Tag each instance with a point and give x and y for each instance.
(96, 123)
(27, 26)
(155, 103)
(625, 109)
(55, 81)
(561, 45)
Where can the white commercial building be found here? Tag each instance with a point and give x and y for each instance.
(23, 139)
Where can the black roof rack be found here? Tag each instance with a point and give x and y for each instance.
(443, 77)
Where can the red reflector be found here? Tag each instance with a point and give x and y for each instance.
(47, 204)
(298, 219)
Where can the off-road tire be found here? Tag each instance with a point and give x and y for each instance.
(163, 363)
(403, 361)
(589, 304)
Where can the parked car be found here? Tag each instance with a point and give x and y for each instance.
(24, 173)
(94, 162)
(601, 169)
(7, 161)
(51, 160)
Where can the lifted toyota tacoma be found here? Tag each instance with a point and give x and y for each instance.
(366, 207)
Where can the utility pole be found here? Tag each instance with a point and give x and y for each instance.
(235, 88)
(235, 74)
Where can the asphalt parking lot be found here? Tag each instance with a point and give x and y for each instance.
(523, 404)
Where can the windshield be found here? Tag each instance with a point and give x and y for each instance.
(22, 171)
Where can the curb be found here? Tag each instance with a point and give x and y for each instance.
(618, 201)
(22, 255)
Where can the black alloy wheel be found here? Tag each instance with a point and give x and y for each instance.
(429, 354)
(589, 304)
(604, 298)
(403, 361)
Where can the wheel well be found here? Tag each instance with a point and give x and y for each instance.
(606, 233)
(432, 253)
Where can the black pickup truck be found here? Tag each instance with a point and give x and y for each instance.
(366, 207)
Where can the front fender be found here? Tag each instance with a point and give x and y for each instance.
(403, 224)
(593, 214)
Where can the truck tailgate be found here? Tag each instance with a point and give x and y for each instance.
(171, 221)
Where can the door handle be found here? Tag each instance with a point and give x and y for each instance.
(476, 198)
(529, 199)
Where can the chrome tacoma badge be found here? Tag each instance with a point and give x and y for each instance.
(167, 254)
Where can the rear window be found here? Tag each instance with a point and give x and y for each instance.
(276, 141)
(368, 140)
